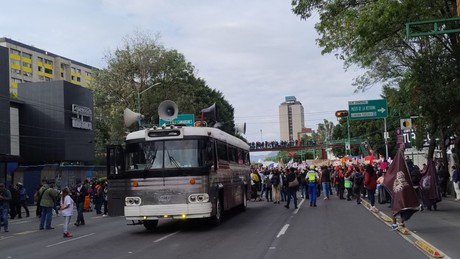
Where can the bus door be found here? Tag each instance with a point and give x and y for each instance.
(115, 171)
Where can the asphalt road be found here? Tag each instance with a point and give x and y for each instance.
(334, 229)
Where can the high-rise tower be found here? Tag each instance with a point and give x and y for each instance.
(291, 119)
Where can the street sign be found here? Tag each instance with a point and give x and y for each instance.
(366, 110)
(187, 119)
(406, 124)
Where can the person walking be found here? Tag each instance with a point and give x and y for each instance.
(79, 195)
(312, 178)
(456, 182)
(276, 186)
(325, 177)
(370, 183)
(66, 210)
(5, 198)
(358, 185)
(15, 204)
(47, 202)
(293, 185)
(23, 199)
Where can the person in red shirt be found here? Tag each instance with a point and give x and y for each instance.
(370, 183)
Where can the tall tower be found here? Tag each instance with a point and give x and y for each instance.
(291, 119)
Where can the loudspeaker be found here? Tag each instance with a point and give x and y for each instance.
(168, 110)
(130, 117)
(240, 128)
(209, 112)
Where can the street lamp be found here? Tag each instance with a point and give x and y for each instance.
(141, 92)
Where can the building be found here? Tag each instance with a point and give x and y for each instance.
(30, 64)
(46, 109)
(291, 114)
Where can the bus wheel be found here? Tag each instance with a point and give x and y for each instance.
(217, 218)
(150, 224)
(244, 205)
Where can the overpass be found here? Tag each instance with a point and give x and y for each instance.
(292, 146)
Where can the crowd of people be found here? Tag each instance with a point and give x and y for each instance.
(48, 199)
(349, 182)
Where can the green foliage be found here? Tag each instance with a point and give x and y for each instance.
(420, 75)
(143, 67)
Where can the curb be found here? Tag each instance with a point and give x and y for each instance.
(421, 244)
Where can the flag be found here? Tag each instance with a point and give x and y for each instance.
(397, 182)
(429, 185)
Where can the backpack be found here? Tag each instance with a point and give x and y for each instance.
(359, 179)
(275, 179)
(268, 183)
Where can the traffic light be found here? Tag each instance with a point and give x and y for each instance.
(341, 114)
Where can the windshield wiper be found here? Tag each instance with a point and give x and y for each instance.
(172, 160)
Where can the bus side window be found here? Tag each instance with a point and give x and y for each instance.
(210, 154)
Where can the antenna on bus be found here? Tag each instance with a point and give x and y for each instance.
(168, 110)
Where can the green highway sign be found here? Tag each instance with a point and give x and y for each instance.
(187, 119)
(365, 110)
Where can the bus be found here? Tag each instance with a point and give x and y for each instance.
(177, 172)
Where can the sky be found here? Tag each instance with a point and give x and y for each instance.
(255, 52)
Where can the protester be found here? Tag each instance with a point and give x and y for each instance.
(276, 186)
(397, 181)
(66, 206)
(430, 187)
(79, 194)
(358, 185)
(456, 182)
(325, 177)
(47, 203)
(106, 197)
(5, 199)
(23, 198)
(370, 183)
(15, 203)
(293, 185)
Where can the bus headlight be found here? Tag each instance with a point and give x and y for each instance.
(133, 201)
(198, 197)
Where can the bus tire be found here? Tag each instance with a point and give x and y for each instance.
(244, 205)
(217, 218)
(150, 224)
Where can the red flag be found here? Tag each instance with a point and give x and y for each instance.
(397, 182)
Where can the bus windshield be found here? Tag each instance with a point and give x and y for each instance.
(165, 154)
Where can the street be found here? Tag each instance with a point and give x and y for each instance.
(334, 229)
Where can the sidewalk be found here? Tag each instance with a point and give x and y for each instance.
(439, 228)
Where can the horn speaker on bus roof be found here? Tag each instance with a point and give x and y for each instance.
(240, 128)
(130, 117)
(168, 110)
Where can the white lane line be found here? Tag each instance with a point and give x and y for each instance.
(163, 238)
(283, 230)
(70, 240)
(298, 207)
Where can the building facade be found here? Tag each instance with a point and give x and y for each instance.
(30, 64)
(45, 108)
(291, 116)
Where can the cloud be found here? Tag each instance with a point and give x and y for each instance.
(254, 52)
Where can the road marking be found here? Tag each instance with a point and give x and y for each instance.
(298, 207)
(283, 230)
(26, 232)
(3, 238)
(163, 238)
(70, 240)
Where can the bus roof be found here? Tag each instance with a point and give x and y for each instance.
(191, 131)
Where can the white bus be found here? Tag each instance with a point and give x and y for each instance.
(174, 172)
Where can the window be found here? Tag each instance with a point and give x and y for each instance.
(14, 51)
(48, 62)
(222, 151)
(26, 55)
(15, 71)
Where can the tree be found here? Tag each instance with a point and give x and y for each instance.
(371, 35)
(142, 65)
